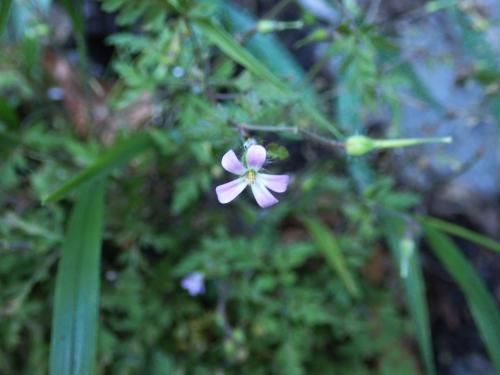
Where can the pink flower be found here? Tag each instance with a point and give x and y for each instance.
(250, 175)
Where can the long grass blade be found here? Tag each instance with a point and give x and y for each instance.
(117, 155)
(481, 303)
(461, 232)
(327, 244)
(414, 289)
(228, 45)
(5, 6)
(74, 321)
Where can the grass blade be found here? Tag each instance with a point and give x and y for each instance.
(74, 321)
(115, 156)
(481, 303)
(461, 232)
(327, 244)
(415, 291)
(5, 6)
(228, 45)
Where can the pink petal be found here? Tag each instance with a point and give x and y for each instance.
(277, 183)
(263, 197)
(256, 156)
(231, 163)
(227, 192)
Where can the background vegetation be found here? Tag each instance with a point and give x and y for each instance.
(113, 119)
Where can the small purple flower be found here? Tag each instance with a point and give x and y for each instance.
(250, 175)
(194, 283)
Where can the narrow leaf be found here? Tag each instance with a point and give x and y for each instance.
(327, 244)
(5, 6)
(74, 320)
(462, 232)
(115, 156)
(415, 291)
(481, 303)
(230, 47)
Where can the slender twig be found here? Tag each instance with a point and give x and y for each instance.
(268, 128)
(306, 134)
(319, 139)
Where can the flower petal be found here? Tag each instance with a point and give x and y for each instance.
(263, 197)
(256, 156)
(227, 192)
(194, 283)
(231, 163)
(277, 183)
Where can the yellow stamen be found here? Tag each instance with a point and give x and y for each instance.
(251, 176)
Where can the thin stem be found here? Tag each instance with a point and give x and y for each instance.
(306, 135)
(269, 128)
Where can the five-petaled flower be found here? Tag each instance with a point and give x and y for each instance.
(249, 174)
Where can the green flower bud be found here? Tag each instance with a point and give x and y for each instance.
(269, 26)
(407, 247)
(358, 145)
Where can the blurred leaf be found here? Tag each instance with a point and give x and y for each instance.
(462, 232)
(229, 46)
(75, 324)
(327, 244)
(115, 156)
(480, 301)
(414, 290)
(418, 88)
(436, 5)
(5, 6)
(74, 8)
(185, 192)
(276, 151)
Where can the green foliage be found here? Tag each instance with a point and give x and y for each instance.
(112, 158)
(412, 278)
(76, 300)
(4, 14)
(461, 232)
(328, 245)
(295, 289)
(480, 301)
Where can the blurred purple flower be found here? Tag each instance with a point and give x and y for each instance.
(250, 175)
(194, 283)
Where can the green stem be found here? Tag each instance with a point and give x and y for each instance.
(392, 143)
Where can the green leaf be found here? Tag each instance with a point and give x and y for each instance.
(327, 244)
(481, 303)
(462, 232)
(5, 6)
(114, 157)
(275, 57)
(8, 114)
(74, 320)
(230, 47)
(414, 289)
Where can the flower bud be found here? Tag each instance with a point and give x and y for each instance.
(269, 26)
(358, 145)
(407, 248)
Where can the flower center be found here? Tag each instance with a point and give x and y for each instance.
(251, 176)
